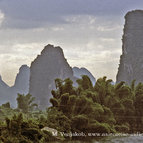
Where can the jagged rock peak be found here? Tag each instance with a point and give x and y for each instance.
(78, 72)
(2, 83)
(22, 80)
(50, 48)
(9, 94)
(133, 12)
(21, 74)
(131, 60)
(48, 66)
(23, 67)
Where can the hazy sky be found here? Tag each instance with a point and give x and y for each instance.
(89, 32)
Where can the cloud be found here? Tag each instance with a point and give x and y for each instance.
(76, 19)
(40, 13)
(2, 16)
(13, 56)
(89, 31)
(82, 43)
(105, 28)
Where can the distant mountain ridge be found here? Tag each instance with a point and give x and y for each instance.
(38, 79)
(3, 84)
(9, 94)
(78, 72)
(3, 88)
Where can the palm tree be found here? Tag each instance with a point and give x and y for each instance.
(85, 83)
(25, 102)
(104, 89)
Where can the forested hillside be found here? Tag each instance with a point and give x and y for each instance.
(100, 108)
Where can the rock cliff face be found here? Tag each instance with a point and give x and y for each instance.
(3, 85)
(22, 80)
(48, 66)
(131, 60)
(78, 72)
(4, 89)
(6, 94)
(9, 94)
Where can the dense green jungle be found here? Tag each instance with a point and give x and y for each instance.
(80, 112)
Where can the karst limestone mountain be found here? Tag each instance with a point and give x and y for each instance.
(48, 66)
(131, 60)
(78, 72)
(38, 80)
(9, 94)
(21, 84)
(4, 90)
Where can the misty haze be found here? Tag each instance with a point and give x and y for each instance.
(71, 71)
